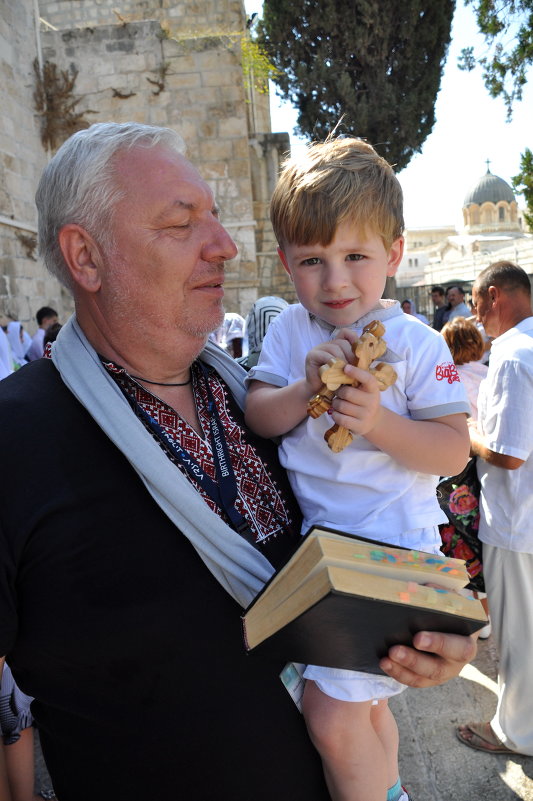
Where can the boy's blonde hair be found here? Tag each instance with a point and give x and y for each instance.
(341, 179)
(464, 340)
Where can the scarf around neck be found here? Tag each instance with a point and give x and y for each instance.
(236, 564)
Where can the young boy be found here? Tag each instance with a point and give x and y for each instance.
(337, 216)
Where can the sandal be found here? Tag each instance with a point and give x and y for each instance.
(481, 737)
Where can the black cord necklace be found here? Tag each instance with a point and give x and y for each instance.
(160, 383)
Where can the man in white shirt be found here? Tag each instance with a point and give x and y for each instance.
(503, 443)
(45, 316)
(456, 298)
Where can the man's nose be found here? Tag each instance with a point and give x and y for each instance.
(219, 244)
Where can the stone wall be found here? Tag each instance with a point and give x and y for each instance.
(24, 284)
(130, 72)
(161, 63)
(267, 151)
(188, 15)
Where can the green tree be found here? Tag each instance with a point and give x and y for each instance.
(507, 26)
(375, 64)
(523, 183)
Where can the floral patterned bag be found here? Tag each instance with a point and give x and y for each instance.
(458, 497)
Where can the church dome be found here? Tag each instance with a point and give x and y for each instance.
(490, 189)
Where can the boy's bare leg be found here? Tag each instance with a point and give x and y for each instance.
(353, 755)
(386, 729)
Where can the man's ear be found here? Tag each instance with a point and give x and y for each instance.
(493, 293)
(395, 256)
(82, 256)
(284, 261)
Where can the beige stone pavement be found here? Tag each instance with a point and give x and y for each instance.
(434, 765)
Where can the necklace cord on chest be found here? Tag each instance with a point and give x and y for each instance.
(160, 383)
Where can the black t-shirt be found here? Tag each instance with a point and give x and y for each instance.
(112, 622)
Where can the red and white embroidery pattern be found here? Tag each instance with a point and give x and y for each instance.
(259, 499)
(448, 371)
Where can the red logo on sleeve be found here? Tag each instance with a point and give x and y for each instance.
(447, 371)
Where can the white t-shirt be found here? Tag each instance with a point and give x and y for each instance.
(461, 310)
(472, 374)
(363, 490)
(505, 402)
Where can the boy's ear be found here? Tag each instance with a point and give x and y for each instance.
(284, 261)
(395, 256)
(82, 256)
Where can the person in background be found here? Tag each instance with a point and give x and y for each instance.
(230, 334)
(15, 334)
(502, 440)
(16, 742)
(438, 296)
(45, 317)
(6, 356)
(466, 345)
(456, 300)
(258, 319)
(50, 335)
(409, 307)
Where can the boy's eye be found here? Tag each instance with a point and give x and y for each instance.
(311, 261)
(355, 257)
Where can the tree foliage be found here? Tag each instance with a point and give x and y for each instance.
(375, 64)
(507, 26)
(523, 183)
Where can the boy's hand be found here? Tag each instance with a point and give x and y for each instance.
(357, 408)
(316, 358)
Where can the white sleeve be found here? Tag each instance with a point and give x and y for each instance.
(433, 386)
(508, 425)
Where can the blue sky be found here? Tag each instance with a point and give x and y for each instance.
(471, 127)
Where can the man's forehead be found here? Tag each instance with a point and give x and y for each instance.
(166, 173)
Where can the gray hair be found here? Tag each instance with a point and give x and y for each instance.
(79, 184)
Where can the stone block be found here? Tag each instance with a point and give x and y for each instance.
(180, 62)
(231, 127)
(208, 129)
(122, 46)
(240, 147)
(215, 170)
(215, 150)
(220, 77)
(176, 82)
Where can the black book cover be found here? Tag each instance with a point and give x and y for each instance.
(346, 631)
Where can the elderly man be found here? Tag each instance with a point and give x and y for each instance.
(123, 576)
(456, 299)
(503, 443)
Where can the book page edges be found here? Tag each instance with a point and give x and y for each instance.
(259, 623)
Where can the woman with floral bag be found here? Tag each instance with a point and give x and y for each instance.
(459, 495)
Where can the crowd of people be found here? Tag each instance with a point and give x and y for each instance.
(17, 348)
(182, 481)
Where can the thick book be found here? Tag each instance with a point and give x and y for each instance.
(342, 601)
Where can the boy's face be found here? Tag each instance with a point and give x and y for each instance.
(344, 280)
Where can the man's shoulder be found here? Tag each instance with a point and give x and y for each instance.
(36, 386)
